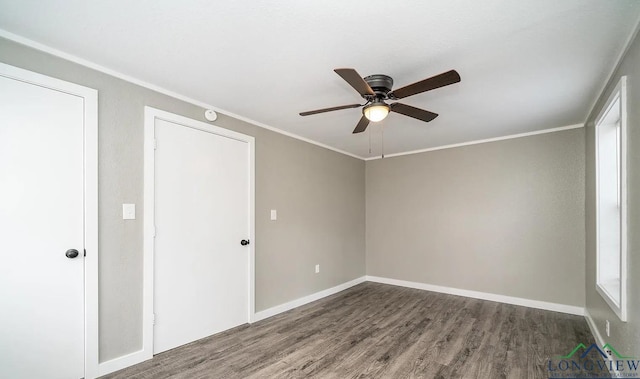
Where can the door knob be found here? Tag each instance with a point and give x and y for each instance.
(71, 253)
(244, 242)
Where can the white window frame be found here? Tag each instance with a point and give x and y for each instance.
(619, 93)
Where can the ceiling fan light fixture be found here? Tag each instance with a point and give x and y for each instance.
(375, 112)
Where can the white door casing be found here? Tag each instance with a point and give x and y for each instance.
(48, 205)
(199, 195)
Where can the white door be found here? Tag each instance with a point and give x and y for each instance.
(41, 218)
(201, 270)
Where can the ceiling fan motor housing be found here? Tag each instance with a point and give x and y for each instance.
(380, 84)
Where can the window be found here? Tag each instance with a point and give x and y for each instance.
(611, 201)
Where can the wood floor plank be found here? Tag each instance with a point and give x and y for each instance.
(379, 331)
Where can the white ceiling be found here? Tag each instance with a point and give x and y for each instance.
(526, 65)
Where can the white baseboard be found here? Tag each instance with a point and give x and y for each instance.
(570, 309)
(305, 300)
(124, 361)
(594, 329)
(599, 340)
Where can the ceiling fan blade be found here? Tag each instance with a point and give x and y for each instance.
(433, 82)
(414, 112)
(362, 125)
(354, 79)
(330, 109)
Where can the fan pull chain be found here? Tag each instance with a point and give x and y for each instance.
(370, 141)
(382, 142)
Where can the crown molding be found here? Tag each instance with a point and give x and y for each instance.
(476, 142)
(75, 59)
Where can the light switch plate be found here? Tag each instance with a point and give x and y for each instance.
(128, 211)
(274, 215)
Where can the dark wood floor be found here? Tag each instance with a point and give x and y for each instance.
(380, 331)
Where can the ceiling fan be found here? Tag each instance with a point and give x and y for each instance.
(375, 89)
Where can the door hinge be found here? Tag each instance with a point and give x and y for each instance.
(85, 252)
(155, 144)
(153, 319)
(154, 231)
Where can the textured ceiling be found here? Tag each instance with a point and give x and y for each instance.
(526, 65)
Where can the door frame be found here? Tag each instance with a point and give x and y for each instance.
(89, 97)
(150, 117)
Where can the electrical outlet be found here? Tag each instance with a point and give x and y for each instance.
(607, 328)
(128, 211)
(317, 269)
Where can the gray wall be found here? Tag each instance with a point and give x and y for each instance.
(503, 217)
(317, 192)
(624, 336)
